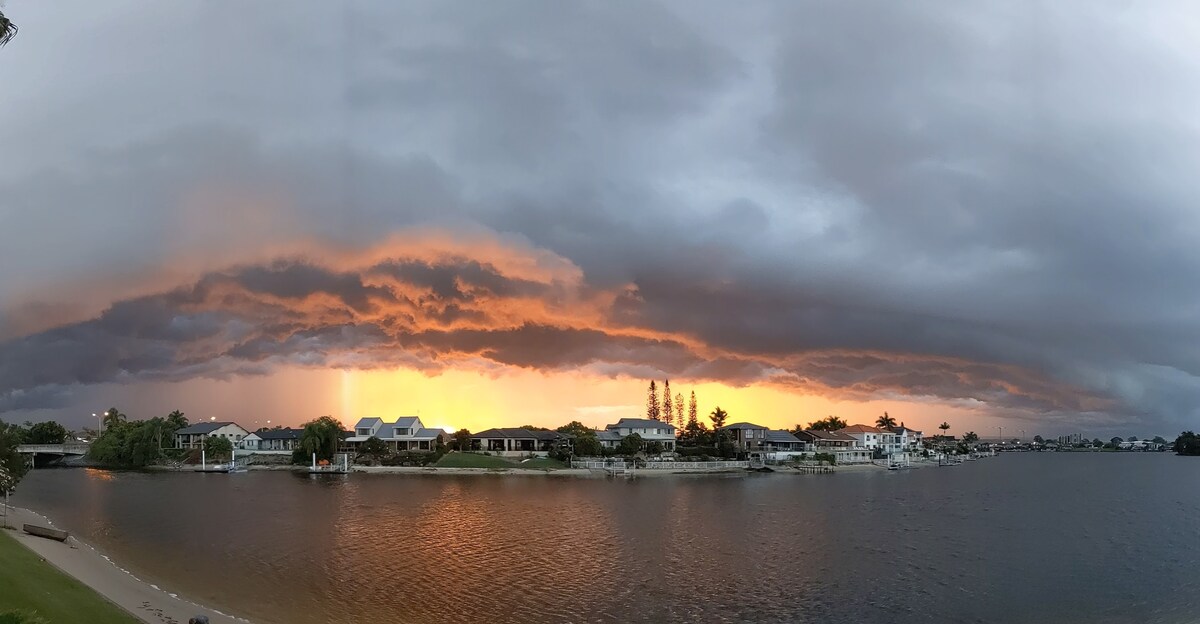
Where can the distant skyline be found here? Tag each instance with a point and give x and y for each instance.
(519, 213)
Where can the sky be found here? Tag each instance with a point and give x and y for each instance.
(497, 214)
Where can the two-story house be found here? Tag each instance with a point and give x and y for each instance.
(879, 441)
(909, 440)
(407, 433)
(745, 436)
(193, 436)
(649, 430)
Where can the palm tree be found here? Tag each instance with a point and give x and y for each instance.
(8, 30)
(112, 418)
(176, 420)
(885, 421)
(718, 417)
(945, 426)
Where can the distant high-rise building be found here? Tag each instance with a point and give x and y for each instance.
(1070, 440)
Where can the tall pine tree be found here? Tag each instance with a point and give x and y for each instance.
(693, 413)
(679, 411)
(668, 409)
(652, 411)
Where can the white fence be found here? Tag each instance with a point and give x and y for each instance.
(659, 465)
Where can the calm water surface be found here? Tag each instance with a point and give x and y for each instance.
(1016, 538)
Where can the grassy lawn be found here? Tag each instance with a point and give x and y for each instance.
(32, 586)
(542, 463)
(472, 460)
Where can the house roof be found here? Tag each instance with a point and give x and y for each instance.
(781, 436)
(743, 425)
(370, 421)
(902, 429)
(608, 435)
(829, 435)
(642, 423)
(861, 429)
(550, 435)
(429, 433)
(280, 434)
(203, 428)
(524, 434)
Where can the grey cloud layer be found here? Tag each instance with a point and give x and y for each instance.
(939, 187)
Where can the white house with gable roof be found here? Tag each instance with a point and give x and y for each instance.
(406, 434)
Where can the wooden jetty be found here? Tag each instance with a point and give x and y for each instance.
(815, 469)
(46, 532)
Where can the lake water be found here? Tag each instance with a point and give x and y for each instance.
(1033, 537)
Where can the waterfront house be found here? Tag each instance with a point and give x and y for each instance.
(908, 440)
(506, 441)
(250, 442)
(745, 436)
(824, 441)
(780, 441)
(880, 441)
(193, 436)
(550, 440)
(285, 439)
(407, 433)
(649, 430)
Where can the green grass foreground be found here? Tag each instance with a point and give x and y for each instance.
(473, 460)
(35, 589)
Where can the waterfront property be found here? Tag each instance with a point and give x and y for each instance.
(505, 441)
(286, 439)
(745, 436)
(406, 434)
(908, 440)
(749, 437)
(649, 430)
(251, 442)
(873, 438)
(193, 436)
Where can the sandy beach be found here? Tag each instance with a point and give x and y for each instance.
(145, 601)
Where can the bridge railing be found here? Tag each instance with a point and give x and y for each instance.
(65, 449)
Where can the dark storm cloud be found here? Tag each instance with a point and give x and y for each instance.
(988, 203)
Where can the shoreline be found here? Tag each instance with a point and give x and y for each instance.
(142, 599)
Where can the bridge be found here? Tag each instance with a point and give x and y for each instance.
(62, 450)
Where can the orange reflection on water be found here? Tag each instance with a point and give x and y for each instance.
(99, 475)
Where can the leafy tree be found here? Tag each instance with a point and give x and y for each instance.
(1116, 440)
(718, 417)
(8, 30)
(829, 423)
(1097, 443)
(575, 428)
(945, 426)
(654, 447)
(217, 447)
(1187, 443)
(113, 417)
(462, 440)
(377, 449)
(652, 409)
(48, 432)
(1133, 438)
(1039, 439)
(1159, 440)
(693, 413)
(630, 444)
(970, 437)
(668, 405)
(321, 436)
(587, 445)
(176, 421)
(679, 412)
(11, 462)
(132, 444)
(885, 421)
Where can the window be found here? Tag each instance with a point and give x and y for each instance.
(364, 431)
